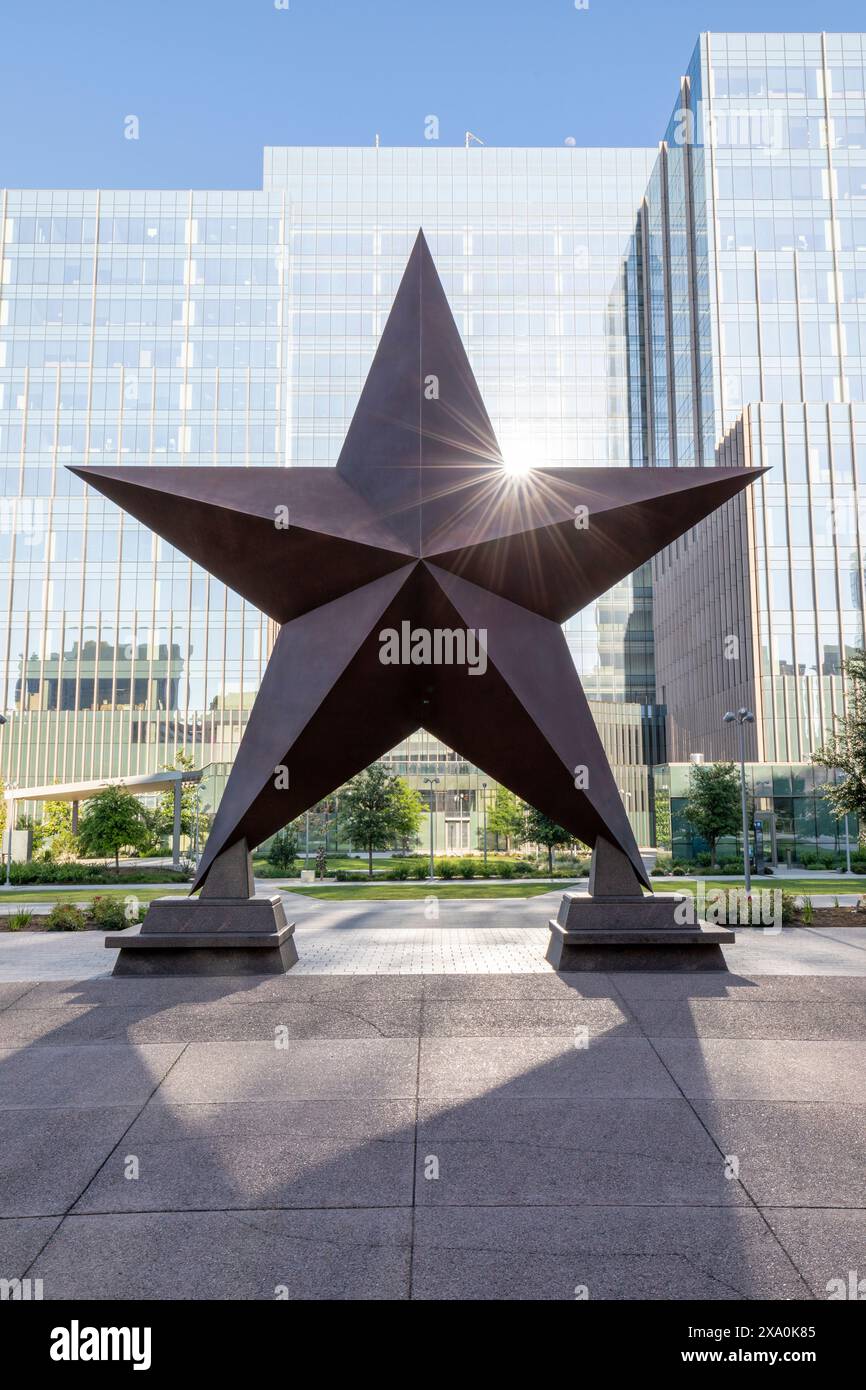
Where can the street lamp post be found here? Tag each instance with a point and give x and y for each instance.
(484, 808)
(9, 816)
(10, 825)
(432, 782)
(195, 825)
(9, 805)
(847, 847)
(742, 718)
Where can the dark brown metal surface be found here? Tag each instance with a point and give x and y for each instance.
(420, 522)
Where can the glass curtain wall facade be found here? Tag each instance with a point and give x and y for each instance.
(236, 329)
(772, 128)
(703, 300)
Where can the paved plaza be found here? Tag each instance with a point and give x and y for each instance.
(426, 1110)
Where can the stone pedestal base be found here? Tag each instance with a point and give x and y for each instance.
(631, 933)
(207, 936)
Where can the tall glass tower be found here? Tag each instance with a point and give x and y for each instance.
(236, 329)
(753, 238)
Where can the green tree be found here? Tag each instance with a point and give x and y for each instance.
(540, 830)
(378, 809)
(163, 822)
(408, 811)
(113, 820)
(57, 836)
(713, 807)
(506, 816)
(845, 749)
(283, 849)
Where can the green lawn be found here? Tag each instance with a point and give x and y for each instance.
(834, 887)
(335, 862)
(396, 891)
(85, 894)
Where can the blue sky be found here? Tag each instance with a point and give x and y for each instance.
(212, 81)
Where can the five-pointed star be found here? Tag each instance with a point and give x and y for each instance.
(419, 522)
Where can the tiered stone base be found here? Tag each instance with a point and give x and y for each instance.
(630, 933)
(208, 936)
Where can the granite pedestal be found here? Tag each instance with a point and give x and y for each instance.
(616, 927)
(227, 930)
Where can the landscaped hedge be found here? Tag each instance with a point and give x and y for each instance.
(75, 872)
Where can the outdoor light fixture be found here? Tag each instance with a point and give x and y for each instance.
(432, 782)
(742, 718)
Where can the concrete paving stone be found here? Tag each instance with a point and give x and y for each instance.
(501, 937)
(481, 988)
(324, 1018)
(661, 985)
(53, 955)
(157, 992)
(21, 1239)
(355, 989)
(825, 1246)
(793, 1154)
(523, 1017)
(466, 1067)
(11, 992)
(47, 1157)
(758, 1017)
(525, 1151)
(720, 1253)
(164, 992)
(291, 1255)
(799, 951)
(346, 1153)
(87, 1074)
(727, 1069)
(383, 1068)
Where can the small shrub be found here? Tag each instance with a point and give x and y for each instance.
(466, 868)
(19, 921)
(808, 912)
(789, 908)
(420, 871)
(447, 869)
(522, 867)
(65, 917)
(108, 914)
(678, 872)
(505, 870)
(399, 871)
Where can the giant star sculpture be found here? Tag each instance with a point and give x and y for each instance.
(421, 523)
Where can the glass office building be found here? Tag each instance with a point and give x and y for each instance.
(764, 166)
(700, 301)
(237, 329)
